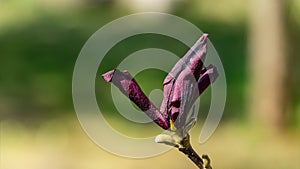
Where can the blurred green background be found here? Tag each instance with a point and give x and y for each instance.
(41, 39)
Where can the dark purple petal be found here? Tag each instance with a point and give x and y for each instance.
(207, 78)
(189, 88)
(184, 88)
(129, 87)
(186, 92)
(191, 63)
(184, 77)
(194, 58)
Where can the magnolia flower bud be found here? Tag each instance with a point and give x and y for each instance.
(182, 86)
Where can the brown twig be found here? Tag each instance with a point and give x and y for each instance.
(188, 150)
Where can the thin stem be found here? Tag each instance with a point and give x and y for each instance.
(190, 152)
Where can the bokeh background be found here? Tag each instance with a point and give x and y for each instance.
(258, 42)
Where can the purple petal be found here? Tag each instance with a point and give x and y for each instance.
(129, 87)
(192, 62)
(207, 78)
(184, 88)
(193, 58)
(187, 90)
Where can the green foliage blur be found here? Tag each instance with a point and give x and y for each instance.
(40, 41)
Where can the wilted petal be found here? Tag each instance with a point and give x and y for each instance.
(130, 88)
